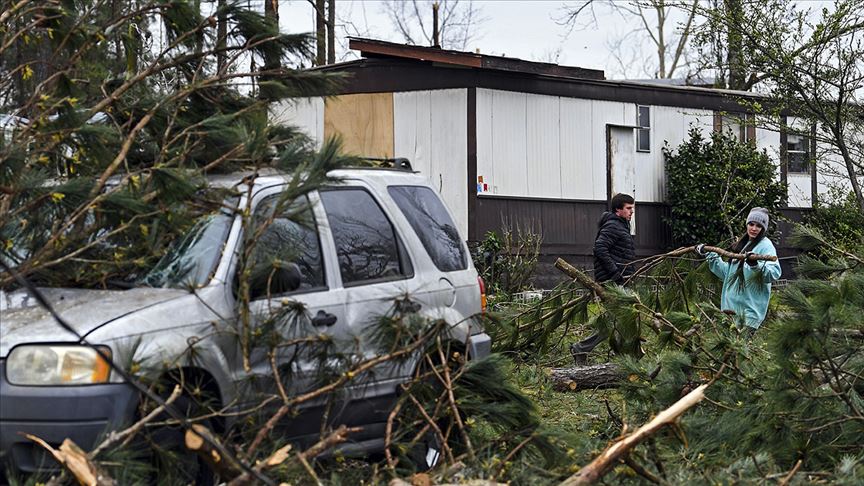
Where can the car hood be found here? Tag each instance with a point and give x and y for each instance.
(23, 320)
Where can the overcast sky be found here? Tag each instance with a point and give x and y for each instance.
(522, 29)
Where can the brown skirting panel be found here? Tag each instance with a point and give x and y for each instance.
(568, 228)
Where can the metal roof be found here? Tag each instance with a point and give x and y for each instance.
(378, 48)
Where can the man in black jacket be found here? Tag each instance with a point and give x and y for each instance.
(613, 253)
(613, 247)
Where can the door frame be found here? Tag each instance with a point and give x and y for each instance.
(609, 127)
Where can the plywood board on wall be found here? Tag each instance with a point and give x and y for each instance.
(364, 121)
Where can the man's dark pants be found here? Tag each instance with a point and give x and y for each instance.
(581, 349)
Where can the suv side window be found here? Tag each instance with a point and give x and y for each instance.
(366, 242)
(285, 240)
(426, 214)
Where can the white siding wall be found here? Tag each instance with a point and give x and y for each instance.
(485, 162)
(305, 113)
(799, 190)
(549, 146)
(832, 173)
(701, 119)
(576, 149)
(769, 141)
(509, 143)
(667, 124)
(543, 146)
(670, 125)
(430, 128)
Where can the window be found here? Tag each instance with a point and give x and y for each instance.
(740, 126)
(429, 219)
(732, 127)
(798, 153)
(284, 240)
(643, 133)
(366, 243)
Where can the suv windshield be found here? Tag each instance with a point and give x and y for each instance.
(192, 261)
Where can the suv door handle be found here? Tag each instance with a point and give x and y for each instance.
(323, 319)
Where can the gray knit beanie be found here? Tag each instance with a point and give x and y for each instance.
(758, 216)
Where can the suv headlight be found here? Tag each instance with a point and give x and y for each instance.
(50, 364)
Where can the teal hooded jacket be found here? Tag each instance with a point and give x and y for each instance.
(747, 297)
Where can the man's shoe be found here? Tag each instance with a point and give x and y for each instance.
(579, 356)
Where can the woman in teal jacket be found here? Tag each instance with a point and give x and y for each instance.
(747, 297)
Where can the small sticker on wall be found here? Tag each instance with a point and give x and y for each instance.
(481, 185)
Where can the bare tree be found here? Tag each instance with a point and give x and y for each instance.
(325, 31)
(655, 21)
(458, 21)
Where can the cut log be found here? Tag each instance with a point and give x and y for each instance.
(604, 375)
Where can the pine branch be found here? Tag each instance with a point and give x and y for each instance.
(592, 472)
(114, 437)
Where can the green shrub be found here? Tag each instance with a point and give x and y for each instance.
(507, 262)
(713, 183)
(837, 218)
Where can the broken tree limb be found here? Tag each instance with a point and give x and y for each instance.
(604, 375)
(617, 451)
(282, 454)
(75, 460)
(720, 251)
(199, 439)
(580, 277)
(130, 432)
(646, 264)
(418, 479)
(656, 321)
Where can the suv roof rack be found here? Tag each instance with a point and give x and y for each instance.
(400, 163)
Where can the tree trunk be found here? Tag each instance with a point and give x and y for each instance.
(850, 168)
(221, 34)
(661, 40)
(735, 44)
(436, 41)
(320, 33)
(271, 11)
(604, 375)
(331, 31)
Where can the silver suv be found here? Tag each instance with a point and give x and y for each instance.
(374, 236)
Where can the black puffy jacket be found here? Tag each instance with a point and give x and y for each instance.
(613, 249)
